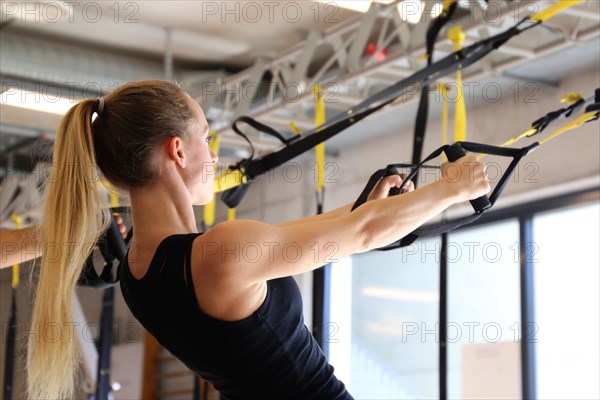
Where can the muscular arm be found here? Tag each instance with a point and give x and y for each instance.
(380, 191)
(248, 252)
(18, 246)
(338, 212)
(21, 245)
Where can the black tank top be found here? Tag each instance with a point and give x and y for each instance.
(269, 355)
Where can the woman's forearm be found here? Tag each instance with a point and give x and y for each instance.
(337, 213)
(386, 220)
(18, 246)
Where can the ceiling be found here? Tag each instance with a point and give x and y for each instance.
(205, 34)
(218, 45)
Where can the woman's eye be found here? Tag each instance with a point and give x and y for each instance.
(209, 139)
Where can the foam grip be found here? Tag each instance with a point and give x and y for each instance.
(455, 152)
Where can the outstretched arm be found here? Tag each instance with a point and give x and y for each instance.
(18, 246)
(21, 245)
(249, 252)
(380, 191)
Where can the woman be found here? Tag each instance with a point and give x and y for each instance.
(223, 302)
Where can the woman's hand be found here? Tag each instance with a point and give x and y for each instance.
(383, 187)
(122, 227)
(465, 178)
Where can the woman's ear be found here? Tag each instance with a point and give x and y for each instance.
(175, 151)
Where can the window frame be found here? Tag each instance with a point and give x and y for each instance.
(524, 213)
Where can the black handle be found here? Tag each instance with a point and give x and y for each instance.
(455, 152)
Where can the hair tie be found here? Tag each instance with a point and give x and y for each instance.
(100, 106)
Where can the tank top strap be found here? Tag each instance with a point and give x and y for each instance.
(186, 250)
(173, 249)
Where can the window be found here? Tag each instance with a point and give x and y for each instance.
(391, 349)
(385, 309)
(484, 312)
(567, 302)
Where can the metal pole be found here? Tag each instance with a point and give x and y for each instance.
(527, 309)
(103, 387)
(443, 346)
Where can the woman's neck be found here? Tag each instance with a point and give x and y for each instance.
(160, 210)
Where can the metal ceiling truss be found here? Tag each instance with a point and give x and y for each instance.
(278, 91)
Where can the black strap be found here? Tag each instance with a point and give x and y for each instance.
(114, 250)
(259, 127)
(515, 153)
(421, 122)
(596, 105)
(234, 196)
(542, 123)
(447, 65)
(9, 362)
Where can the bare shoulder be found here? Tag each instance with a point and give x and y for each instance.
(220, 272)
(222, 249)
(236, 230)
(251, 252)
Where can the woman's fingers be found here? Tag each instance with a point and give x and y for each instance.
(467, 177)
(410, 186)
(122, 227)
(383, 187)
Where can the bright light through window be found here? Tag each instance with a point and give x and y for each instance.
(567, 302)
(44, 102)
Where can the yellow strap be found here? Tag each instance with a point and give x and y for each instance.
(228, 180)
(320, 148)
(232, 179)
(554, 9)
(231, 214)
(295, 128)
(457, 36)
(114, 199)
(571, 98)
(209, 208)
(15, 268)
(525, 134)
(448, 3)
(575, 124)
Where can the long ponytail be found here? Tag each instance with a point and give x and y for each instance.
(136, 119)
(74, 216)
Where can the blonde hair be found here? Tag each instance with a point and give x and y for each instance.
(71, 224)
(136, 118)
